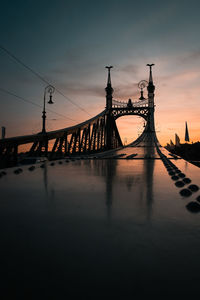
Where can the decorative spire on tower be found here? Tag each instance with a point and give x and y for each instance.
(109, 78)
(109, 90)
(150, 87)
(150, 73)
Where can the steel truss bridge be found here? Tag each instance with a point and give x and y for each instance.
(97, 134)
(128, 216)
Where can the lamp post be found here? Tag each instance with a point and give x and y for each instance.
(48, 89)
(142, 84)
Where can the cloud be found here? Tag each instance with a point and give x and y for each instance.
(80, 88)
(129, 90)
(76, 62)
(133, 69)
(121, 91)
(87, 90)
(191, 57)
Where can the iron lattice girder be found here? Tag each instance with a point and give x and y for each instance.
(125, 111)
(83, 139)
(95, 134)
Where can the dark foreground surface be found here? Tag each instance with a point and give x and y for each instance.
(102, 228)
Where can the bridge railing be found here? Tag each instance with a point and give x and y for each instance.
(20, 140)
(96, 134)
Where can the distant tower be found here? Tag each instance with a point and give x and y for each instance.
(177, 140)
(109, 90)
(187, 139)
(171, 144)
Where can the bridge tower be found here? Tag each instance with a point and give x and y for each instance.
(112, 137)
(148, 137)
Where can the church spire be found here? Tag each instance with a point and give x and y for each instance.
(187, 138)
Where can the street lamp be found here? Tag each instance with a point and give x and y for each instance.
(142, 84)
(48, 89)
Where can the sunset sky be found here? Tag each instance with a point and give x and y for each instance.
(69, 43)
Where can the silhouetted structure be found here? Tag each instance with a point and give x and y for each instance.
(190, 152)
(97, 134)
(177, 140)
(187, 139)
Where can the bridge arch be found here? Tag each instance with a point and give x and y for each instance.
(130, 127)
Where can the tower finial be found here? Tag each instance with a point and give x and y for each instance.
(150, 72)
(109, 78)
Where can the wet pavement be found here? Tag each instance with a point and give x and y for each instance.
(115, 225)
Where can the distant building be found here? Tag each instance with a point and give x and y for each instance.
(177, 140)
(187, 139)
(171, 144)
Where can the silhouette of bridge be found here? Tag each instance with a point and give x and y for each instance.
(116, 221)
(97, 134)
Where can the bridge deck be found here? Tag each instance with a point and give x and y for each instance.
(99, 226)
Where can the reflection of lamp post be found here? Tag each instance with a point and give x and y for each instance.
(50, 89)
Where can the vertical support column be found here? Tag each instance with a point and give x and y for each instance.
(66, 143)
(55, 146)
(98, 134)
(88, 139)
(71, 143)
(83, 140)
(92, 137)
(76, 141)
(101, 134)
(109, 132)
(33, 148)
(60, 147)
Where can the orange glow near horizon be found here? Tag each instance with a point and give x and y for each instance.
(130, 127)
(176, 101)
(167, 123)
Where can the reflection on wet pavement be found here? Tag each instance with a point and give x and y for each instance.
(101, 226)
